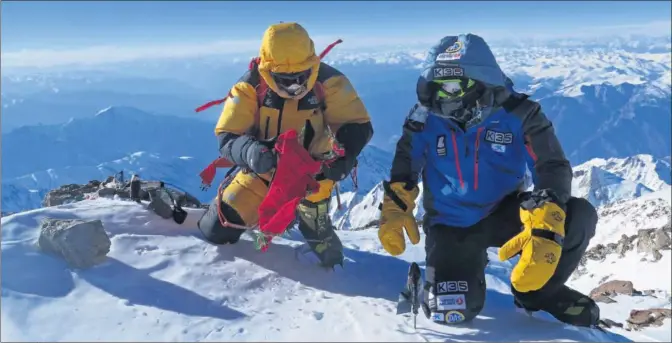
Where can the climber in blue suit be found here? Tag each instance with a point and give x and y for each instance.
(471, 138)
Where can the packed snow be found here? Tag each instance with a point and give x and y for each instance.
(162, 282)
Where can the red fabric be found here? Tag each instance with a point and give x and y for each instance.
(294, 176)
(208, 174)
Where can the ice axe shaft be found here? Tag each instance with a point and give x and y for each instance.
(338, 196)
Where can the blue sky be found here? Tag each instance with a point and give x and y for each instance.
(60, 25)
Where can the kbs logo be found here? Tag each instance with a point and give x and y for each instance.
(448, 72)
(452, 287)
(498, 137)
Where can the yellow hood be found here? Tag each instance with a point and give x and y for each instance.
(287, 48)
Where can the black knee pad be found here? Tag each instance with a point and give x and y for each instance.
(213, 230)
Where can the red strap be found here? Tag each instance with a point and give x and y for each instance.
(329, 47)
(208, 174)
(211, 103)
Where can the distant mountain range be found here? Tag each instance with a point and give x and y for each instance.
(36, 159)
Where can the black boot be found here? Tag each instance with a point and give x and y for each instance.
(316, 227)
(567, 305)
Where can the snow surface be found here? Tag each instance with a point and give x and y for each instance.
(628, 217)
(162, 282)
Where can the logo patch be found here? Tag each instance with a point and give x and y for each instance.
(438, 316)
(448, 57)
(456, 47)
(441, 145)
(550, 258)
(499, 148)
(451, 302)
(452, 287)
(448, 71)
(498, 137)
(454, 317)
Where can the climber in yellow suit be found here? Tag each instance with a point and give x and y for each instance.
(290, 69)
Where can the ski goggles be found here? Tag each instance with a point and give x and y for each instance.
(452, 89)
(451, 94)
(292, 83)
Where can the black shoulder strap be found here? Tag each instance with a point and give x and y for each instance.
(513, 101)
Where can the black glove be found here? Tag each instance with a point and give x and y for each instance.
(337, 170)
(261, 156)
(248, 152)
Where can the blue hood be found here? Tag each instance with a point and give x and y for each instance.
(469, 52)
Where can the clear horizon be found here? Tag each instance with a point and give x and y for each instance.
(35, 33)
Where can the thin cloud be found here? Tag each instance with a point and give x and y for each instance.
(105, 54)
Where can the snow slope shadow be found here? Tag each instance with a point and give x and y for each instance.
(365, 274)
(139, 287)
(34, 272)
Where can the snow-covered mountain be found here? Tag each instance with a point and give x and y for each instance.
(598, 92)
(600, 181)
(655, 174)
(111, 134)
(28, 191)
(632, 245)
(126, 139)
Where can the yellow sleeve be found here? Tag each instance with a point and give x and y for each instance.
(239, 110)
(343, 104)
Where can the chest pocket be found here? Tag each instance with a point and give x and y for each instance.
(500, 148)
(278, 115)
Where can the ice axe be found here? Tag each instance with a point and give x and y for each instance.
(409, 300)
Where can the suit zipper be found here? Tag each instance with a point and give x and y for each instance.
(457, 158)
(280, 118)
(268, 121)
(478, 143)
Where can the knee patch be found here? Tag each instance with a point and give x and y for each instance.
(244, 194)
(455, 302)
(213, 230)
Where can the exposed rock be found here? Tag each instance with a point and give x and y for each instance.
(661, 240)
(648, 241)
(645, 243)
(612, 288)
(643, 318)
(82, 244)
(657, 256)
(69, 193)
(112, 188)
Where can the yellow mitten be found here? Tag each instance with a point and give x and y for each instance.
(397, 214)
(540, 242)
